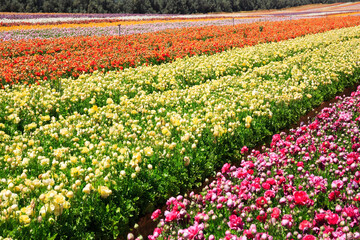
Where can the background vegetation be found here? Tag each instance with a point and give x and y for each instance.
(149, 6)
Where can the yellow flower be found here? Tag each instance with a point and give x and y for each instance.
(148, 151)
(24, 219)
(104, 191)
(59, 199)
(93, 109)
(109, 101)
(87, 188)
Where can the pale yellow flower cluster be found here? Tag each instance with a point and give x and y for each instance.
(57, 163)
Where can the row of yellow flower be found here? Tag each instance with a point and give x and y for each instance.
(116, 160)
(20, 105)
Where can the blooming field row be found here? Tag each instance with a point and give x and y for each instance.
(103, 22)
(30, 61)
(19, 106)
(305, 186)
(125, 29)
(89, 173)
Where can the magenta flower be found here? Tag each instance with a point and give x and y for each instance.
(171, 216)
(301, 198)
(155, 214)
(309, 237)
(304, 224)
(235, 222)
(333, 219)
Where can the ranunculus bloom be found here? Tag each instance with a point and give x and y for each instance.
(309, 237)
(155, 214)
(337, 184)
(261, 201)
(235, 222)
(333, 195)
(276, 213)
(262, 218)
(320, 218)
(304, 224)
(193, 230)
(226, 168)
(269, 193)
(266, 186)
(333, 218)
(244, 149)
(171, 216)
(301, 198)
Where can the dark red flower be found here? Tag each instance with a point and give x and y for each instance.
(262, 218)
(260, 202)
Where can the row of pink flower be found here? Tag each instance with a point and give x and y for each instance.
(304, 186)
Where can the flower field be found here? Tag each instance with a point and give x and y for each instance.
(84, 154)
(31, 61)
(305, 186)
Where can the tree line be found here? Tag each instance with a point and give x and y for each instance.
(149, 6)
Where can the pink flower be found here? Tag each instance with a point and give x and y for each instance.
(301, 198)
(269, 193)
(266, 186)
(192, 231)
(226, 168)
(156, 214)
(337, 184)
(276, 213)
(304, 224)
(333, 218)
(235, 222)
(171, 216)
(309, 237)
(287, 221)
(244, 149)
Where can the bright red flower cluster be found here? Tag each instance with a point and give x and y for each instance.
(30, 61)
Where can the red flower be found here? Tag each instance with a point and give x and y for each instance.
(269, 193)
(333, 219)
(276, 213)
(304, 224)
(266, 186)
(235, 222)
(320, 218)
(225, 168)
(262, 218)
(333, 195)
(309, 237)
(156, 214)
(301, 198)
(260, 202)
(244, 149)
(171, 216)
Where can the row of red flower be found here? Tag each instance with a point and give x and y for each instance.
(29, 61)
